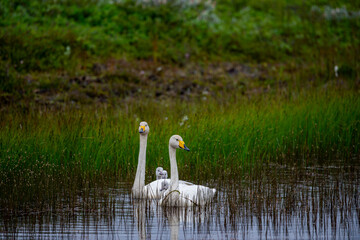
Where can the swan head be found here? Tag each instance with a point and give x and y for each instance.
(177, 142)
(144, 128)
(158, 172)
(164, 174)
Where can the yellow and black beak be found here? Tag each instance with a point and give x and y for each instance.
(142, 129)
(183, 146)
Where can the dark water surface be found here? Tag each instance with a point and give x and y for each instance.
(278, 202)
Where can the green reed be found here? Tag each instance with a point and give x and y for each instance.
(78, 148)
(221, 137)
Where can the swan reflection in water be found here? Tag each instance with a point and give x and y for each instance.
(166, 221)
(139, 214)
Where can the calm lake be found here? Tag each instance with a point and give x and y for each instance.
(276, 202)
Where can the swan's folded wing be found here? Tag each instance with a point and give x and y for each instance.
(186, 183)
(198, 194)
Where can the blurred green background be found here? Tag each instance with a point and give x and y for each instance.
(104, 51)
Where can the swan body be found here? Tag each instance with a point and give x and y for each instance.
(187, 196)
(183, 194)
(156, 189)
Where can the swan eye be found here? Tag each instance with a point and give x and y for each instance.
(177, 139)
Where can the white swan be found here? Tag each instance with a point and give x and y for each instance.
(155, 189)
(183, 194)
(139, 182)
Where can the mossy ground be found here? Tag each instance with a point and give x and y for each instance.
(86, 52)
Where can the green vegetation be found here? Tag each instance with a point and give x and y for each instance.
(244, 82)
(44, 46)
(48, 36)
(45, 149)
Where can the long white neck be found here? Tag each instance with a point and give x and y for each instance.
(139, 182)
(174, 184)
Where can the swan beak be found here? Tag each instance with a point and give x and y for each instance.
(183, 146)
(186, 148)
(142, 129)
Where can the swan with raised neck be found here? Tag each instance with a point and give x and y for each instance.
(139, 182)
(183, 194)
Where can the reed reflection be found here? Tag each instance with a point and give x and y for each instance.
(277, 202)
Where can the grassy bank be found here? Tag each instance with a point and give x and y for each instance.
(60, 32)
(74, 46)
